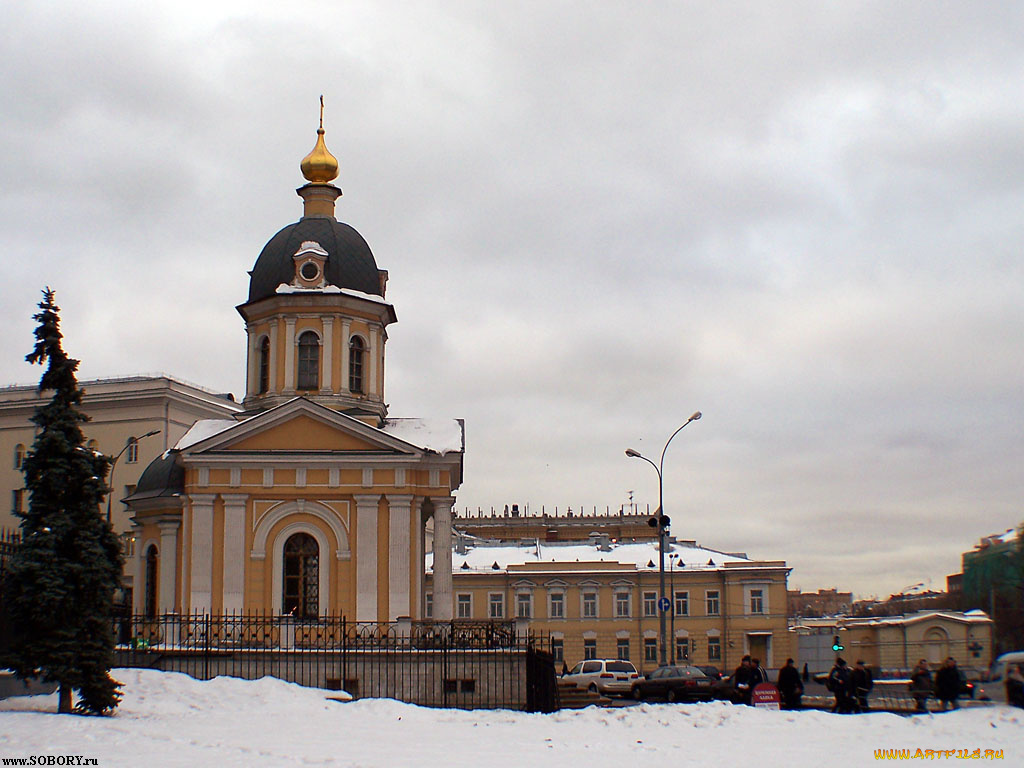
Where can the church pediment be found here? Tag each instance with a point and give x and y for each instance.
(297, 426)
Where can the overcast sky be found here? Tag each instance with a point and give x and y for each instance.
(803, 220)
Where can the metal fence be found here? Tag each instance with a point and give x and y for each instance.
(464, 664)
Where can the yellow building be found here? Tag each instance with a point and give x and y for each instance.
(311, 502)
(157, 409)
(598, 598)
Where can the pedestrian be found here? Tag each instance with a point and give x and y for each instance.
(741, 682)
(1015, 685)
(861, 682)
(838, 683)
(790, 686)
(758, 673)
(947, 684)
(921, 685)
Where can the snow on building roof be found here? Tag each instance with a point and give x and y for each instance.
(286, 288)
(203, 429)
(639, 555)
(438, 435)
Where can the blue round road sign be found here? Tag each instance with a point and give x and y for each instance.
(664, 604)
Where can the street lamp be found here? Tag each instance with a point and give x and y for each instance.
(113, 464)
(661, 522)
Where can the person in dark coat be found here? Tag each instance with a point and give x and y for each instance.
(741, 682)
(947, 684)
(758, 674)
(1015, 685)
(790, 686)
(861, 682)
(921, 685)
(838, 683)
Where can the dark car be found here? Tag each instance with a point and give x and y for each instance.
(725, 690)
(674, 683)
(713, 672)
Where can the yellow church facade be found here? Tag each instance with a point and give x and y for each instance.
(312, 501)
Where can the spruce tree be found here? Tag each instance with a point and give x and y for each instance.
(59, 587)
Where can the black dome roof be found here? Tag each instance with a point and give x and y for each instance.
(350, 262)
(165, 476)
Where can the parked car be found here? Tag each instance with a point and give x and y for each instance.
(711, 671)
(725, 690)
(610, 677)
(674, 683)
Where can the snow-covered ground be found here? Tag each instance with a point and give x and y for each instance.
(168, 719)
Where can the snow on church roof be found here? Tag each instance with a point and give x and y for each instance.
(438, 435)
(638, 554)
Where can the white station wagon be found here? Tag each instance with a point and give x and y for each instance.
(613, 677)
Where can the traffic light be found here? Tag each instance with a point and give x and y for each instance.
(661, 521)
(836, 645)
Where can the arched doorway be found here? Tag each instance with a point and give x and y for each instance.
(936, 642)
(301, 576)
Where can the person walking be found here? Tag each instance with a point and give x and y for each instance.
(1015, 685)
(838, 683)
(861, 682)
(921, 685)
(790, 686)
(947, 684)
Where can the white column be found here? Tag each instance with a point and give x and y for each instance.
(139, 569)
(289, 355)
(273, 384)
(202, 552)
(327, 355)
(416, 561)
(399, 508)
(371, 390)
(443, 600)
(251, 383)
(346, 334)
(168, 563)
(234, 552)
(366, 556)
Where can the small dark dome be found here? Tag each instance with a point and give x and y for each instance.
(165, 476)
(350, 263)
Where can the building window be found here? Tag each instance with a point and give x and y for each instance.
(19, 455)
(428, 605)
(264, 366)
(682, 603)
(757, 601)
(152, 564)
(496, 605)
(650, 603)
(558, 649)
(714, 649)
(309, 361)
(355, 365)
(524, 605)
(622, 605)
(711, 600)
(556, 605)
(133, 450)
(650, 650)
(682, 649)
(301, 576)
(589, 648)
(464, 606)
(622, 648)
(17, 501)
(590, 605)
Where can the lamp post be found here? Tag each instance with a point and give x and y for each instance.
(113, 464)
(661, 522)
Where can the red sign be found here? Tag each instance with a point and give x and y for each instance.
(766, 696)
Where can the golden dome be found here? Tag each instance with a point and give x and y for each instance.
(320, 166)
